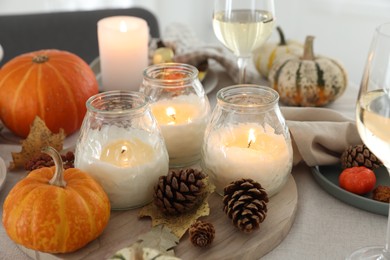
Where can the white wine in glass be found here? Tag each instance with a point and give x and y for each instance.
(373, 117)
(243, 26)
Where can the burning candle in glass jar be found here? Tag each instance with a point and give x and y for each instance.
(247, 150)
(126, 168)
(182, 120)
(180, 107)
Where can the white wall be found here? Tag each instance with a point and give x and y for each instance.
(343, 28)
(36, 6)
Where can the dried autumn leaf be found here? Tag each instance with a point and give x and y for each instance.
(179, 223)
(161, 238)
(39, 137)
(136, 252)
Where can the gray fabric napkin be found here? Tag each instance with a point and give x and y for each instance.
(190, 49)
(319, 135)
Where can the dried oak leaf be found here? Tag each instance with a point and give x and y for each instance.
(160, 238)
(137, 252)
(179, 223)
(39, 137)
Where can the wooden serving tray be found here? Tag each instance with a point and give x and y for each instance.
(229, 243)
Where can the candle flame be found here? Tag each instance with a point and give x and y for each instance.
(122, 26)
(171, 112)
(251, 137)
(123, 157)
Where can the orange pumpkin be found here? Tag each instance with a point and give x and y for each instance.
(55, 210)
(51, 84)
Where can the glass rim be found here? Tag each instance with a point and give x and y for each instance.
(117, 93)
(190, 69)
(383, 29)
(245, 89)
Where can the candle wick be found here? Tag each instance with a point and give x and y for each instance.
(249, 144)
(173, 117)
(123, 150)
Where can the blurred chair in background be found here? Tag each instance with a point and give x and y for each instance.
(75, 32)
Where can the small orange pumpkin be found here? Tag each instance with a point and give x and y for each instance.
(55, 210)
(51, 84)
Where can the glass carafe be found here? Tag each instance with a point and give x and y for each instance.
(121, 146)
(247, 137)
(181, 107)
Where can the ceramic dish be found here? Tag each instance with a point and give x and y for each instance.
(209, 82)
(327, 178)
(3, 173)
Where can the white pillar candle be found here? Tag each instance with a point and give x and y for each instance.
(182, 120)
(127, 165)
(1, 53)
(248, 150)
(123, 50)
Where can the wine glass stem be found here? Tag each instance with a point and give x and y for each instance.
(242, 63)
(386, 249)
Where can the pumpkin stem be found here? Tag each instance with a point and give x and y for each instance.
(281, 36)
(58, 178)
(41, 58)
(308, 53)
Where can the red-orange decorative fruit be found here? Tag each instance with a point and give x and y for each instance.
(51, 84)
(359, 180)
(55, 210)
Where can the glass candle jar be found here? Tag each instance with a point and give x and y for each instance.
(181, 107)
(121, 146)
(247, 137)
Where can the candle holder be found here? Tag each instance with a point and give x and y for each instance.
(181, 107)
(121, 146)
(247, 137)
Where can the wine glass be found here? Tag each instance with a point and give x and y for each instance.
(373, 117)
(243, 26)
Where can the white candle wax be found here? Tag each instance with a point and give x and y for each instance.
(127, 165)
(248, 151)
(123, 50)
(182, 120)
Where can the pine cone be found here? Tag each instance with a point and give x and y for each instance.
(381, 193)
(179, 191)
(202, 233)
(359, 155)
(245, 202)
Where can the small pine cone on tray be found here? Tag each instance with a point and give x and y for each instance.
(359, 155)
(245, 202)
(381, 193)
(201, 233)
(180, 191)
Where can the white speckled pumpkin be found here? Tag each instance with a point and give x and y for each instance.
(309, 80)
(268, 53)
